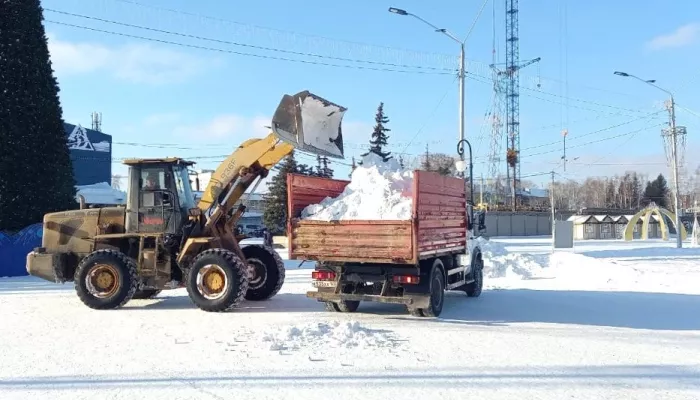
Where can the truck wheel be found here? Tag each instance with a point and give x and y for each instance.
(437, 290)
(105, 279)
(217, 280)
(474, 289)
(348, 305)
(146, 294)
(332, 306)
(267, 272)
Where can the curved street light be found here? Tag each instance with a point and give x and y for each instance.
(674, 150)
(461, 73)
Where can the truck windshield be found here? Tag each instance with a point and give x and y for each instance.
(184, 188)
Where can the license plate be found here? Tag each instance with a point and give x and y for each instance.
(323, 283)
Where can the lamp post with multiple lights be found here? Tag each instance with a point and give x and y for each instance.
(674, 150)
(461, 73)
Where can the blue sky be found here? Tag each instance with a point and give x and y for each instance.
(161, 99)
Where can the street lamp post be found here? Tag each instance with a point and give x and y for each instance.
(461, 167)
(461, 73)
(674, 151)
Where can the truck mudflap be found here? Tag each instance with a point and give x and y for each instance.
(415, 301)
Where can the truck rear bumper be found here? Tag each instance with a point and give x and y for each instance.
(413, 301)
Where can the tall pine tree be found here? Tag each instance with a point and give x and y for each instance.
(275, 207)
(36, 174)
(379, 136)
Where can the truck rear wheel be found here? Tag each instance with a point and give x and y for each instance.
(346, 306)
(105, 279)
(437, 292)
(268, 272)
(217, 280)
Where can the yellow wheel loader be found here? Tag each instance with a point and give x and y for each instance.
(162, 240)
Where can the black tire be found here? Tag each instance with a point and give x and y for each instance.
(267, 272)
(348, 305)
(331, 306)
(146, 294)
(437, 290)
(117, 276)
(474, 289)
(224, 264)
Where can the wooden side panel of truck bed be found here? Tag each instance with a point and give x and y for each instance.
(437, 226)
(440, 208)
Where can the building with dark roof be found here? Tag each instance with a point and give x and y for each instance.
(91, 154)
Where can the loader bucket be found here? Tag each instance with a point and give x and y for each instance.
(310, 123)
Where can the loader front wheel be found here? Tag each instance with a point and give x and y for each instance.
(217, 280)
(267, 272)
(105, 279)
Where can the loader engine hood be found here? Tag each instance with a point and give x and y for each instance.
(310, 123)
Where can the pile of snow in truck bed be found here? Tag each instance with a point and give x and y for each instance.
(378, 191)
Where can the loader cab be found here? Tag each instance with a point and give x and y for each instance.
(160, 195)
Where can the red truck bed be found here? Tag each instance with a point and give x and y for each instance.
(438, 225)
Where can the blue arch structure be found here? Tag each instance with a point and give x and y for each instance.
(14, 250)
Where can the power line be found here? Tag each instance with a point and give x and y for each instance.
(246, 45)
(228, 21)
(246, 54)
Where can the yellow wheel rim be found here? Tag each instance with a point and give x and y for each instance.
(212, 282)
(102, 280)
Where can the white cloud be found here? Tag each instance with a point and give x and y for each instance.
(683, 36)
(135, 63)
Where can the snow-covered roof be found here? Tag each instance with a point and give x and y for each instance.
(100, 193)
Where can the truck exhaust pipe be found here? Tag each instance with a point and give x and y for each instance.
(310, 123)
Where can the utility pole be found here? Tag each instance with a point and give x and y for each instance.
(674, 166)
(551, 200)
(674, 151)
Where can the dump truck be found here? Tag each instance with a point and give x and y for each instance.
(162, 239)
(410, 262)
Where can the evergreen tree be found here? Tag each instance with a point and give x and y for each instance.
(275, 201)
(275, 207)
(36, 174)
(319, 166)
(656, 191)
(379, 136)
(326, 171)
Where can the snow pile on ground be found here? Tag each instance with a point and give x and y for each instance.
(378, 190)
(500, 263)
(348, 334)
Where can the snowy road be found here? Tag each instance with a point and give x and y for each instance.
(588, 325)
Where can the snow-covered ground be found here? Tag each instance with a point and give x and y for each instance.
(608, 320)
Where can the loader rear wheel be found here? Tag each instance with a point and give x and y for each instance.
(105, 279)
(146, 294)
(267, 272)
(217, 280)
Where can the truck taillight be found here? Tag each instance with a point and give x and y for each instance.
(323, 276)
(407, 279)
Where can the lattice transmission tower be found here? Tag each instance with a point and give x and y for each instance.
(511, 81)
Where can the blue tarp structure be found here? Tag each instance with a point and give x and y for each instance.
(14, 250)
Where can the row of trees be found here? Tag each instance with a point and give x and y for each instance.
(630, 191)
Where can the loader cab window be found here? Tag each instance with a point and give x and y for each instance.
(184, 188)
(152, 181)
